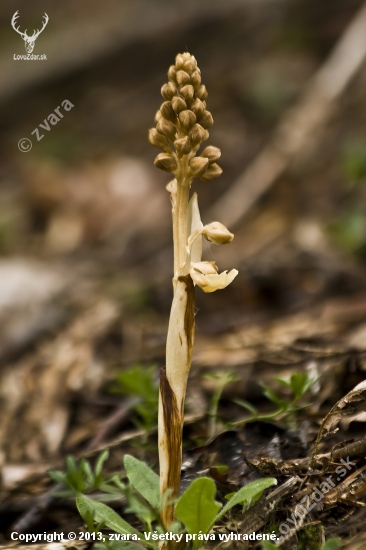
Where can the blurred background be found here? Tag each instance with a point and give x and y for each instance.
(85, 227)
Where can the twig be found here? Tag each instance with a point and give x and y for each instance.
(127, 436)
(114, 420)
(32, 516)
(299, 126)
(356, 449)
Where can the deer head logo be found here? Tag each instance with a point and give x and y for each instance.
(28, 40)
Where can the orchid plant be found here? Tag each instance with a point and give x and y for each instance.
(182, 124)
(166, 521)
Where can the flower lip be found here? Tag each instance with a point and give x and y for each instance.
(212, 282)
(206, 268)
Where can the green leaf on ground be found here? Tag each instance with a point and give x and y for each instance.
(248, 494)
(143, 479)
(331, 544)
(103, 514)
(266, 545)
(197, 508)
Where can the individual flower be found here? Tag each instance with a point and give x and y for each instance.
(217, 233)
(205, 275)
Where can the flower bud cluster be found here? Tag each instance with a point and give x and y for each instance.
(182, 123)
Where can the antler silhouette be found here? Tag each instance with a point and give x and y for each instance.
(37, 32)
(13, 21)
(24, 35)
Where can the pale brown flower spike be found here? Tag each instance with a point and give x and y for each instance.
(182, 124)
(183, 120)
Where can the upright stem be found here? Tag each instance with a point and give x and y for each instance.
(173, 379)
(179, 214)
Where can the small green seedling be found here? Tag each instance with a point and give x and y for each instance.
(299, 384)
(331, 544)
(221, 379)
(199, 511)
(349, 230)
(196, 509)
(141, 493)
(267, 545)
(141, 382)
(353, 161)
(80, 477)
